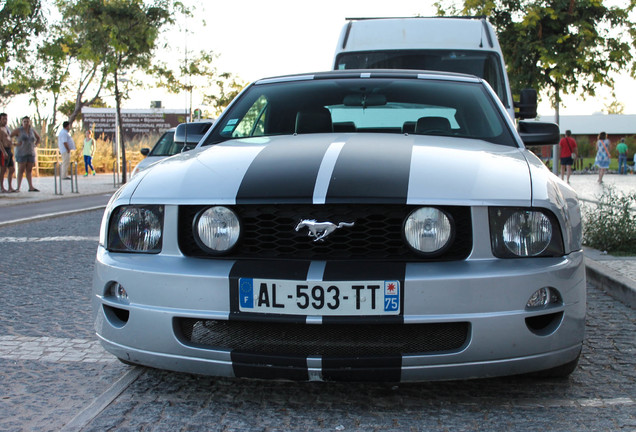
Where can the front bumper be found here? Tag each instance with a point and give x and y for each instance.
(488, 294)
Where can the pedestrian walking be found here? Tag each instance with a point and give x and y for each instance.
(66, 145)
(27, 141)
(89, 151)
(568, 154)
(602, 160)
(6, 155)
(621, 148)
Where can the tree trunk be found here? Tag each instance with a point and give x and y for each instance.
(121, 129)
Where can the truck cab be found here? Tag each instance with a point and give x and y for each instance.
(466, 45)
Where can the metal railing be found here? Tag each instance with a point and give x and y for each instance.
(57, 178)
(117, 176)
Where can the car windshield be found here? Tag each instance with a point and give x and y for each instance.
(486, 65)
(165, 145)
(365, 105)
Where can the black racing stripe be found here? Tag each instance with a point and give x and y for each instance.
(386, 368)
(291, 270)
(371, 172)
(361, 271)
(283, 172)
(249, 365)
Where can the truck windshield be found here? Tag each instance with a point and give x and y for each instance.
(486, 65)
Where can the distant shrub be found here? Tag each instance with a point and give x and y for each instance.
(611, 224)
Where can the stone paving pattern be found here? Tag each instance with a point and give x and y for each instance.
(599, 396)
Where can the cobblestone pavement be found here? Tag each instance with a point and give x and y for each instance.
(56, 377)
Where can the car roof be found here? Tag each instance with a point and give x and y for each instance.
(372, 73)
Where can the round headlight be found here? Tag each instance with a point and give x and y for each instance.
(139, 229)
(218, 229)
(527, 233)
(428, 230)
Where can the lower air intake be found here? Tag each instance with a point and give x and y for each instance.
(323, 340)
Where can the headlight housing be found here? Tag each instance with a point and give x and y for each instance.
(136, 229)
(429, 230)
(216, 229)
(524, 232)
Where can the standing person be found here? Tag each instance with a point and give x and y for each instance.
(89, 151)
(621, 148)
(568, 153)
(28, 139)
(602, 155)
(7, 155)
(66, 144)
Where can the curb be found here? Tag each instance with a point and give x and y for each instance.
(609, 281)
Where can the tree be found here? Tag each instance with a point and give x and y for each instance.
(20, 21)
(561, 46)
(228, 88)
(68, 107)
(123, 35)
(200, 74)
(614, 107)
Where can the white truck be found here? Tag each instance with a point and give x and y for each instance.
(455, 44)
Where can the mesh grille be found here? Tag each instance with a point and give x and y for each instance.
(341, 340)
(268, 231)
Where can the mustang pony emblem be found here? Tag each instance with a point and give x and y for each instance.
(320, 230)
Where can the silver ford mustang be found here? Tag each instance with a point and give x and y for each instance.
(348, 225)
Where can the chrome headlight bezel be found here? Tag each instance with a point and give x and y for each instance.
(206, 244)
(444, 218)
(149, 229)
(539, 219)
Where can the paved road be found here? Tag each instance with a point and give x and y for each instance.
(41, 209)
(56, 377)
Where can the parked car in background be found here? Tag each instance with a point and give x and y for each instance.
(384, 225)
(176, 140)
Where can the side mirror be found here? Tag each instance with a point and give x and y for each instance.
(145, 151)
(527, 104)
(537, 133)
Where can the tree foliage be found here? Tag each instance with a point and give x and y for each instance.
(199, 73)
(20, 22)
(228, 87)
(563, 46)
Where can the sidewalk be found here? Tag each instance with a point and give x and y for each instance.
(90, 185)
(615, 275)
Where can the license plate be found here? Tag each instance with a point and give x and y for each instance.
(319, 298)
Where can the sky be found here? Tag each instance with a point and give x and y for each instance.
(257, 39)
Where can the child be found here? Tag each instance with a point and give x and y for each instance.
(89, 150)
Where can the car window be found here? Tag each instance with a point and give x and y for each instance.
(252, 123)
(366, 105)
(164, 145)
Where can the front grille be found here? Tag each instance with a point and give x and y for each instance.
(268, 232)
(335, 340)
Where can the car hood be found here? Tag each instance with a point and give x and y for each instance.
(339, 168)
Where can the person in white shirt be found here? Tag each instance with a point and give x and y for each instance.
(66, 144)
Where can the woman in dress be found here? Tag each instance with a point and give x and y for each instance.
(28, 139)
(602, 155)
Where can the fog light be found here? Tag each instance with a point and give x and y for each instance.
(543, 297)
(117, 291)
